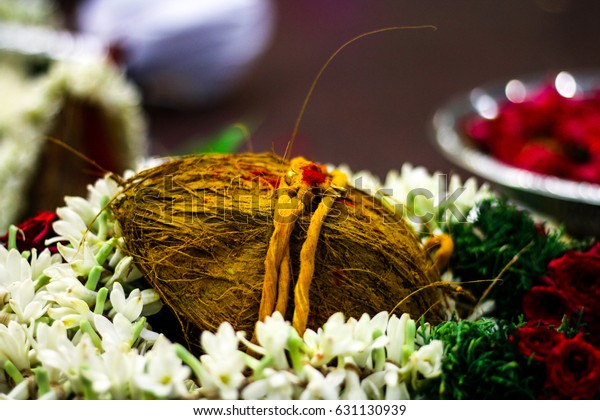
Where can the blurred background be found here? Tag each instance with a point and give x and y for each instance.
(373, 106)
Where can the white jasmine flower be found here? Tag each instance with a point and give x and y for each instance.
(130, 307)
(389, 384)
(471, 194)
(333, 340)
(366, 181)
(352, 386)
(125, 270)
(113, 372)
(64, 285)
(321, 387)
(116, 334)
(149, 336)
(103, 188)
(373, 386)
(363, 180)
(14, 269)
(42, 261)
(49, 336)
(427, 196)
(276, 385)
(25, 303)
(164, 374)
(151, 301)
(85, 210)
(14, 345)
(69, 359)
(401, 334)
(423, 334)
(81, 258)
(482, 309)
(413, 183)
(371, 334)
(70, 310)
(223, 362)
(44, 336)
(273, 335)
(395, 383)
(426, 362)
(70, 227)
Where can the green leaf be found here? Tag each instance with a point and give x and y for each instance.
(226, 141)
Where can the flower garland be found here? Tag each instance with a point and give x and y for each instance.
(31, 12)
(74, 318)
(34, 104)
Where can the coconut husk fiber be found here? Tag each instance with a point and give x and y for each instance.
(200, 227)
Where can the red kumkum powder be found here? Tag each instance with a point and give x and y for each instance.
(313, 175)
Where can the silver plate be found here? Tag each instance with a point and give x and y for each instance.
(574, 204)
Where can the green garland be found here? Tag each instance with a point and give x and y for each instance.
(481, 358)
(481, 361)
(504, 241)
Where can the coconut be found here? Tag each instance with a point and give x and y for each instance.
(202, 228)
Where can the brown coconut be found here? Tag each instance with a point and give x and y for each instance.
(199, 228)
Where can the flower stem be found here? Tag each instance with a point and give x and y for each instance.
(250, 361)
(86, 327)
(41, 281)
(261, 365)
(379, 353)
(105, 251)
(190, 360)
(295, 344)
(13, 372)
(88, 390)
(93, 277)
(137, 328)
(41, 378)
(379, 359)
(409, 341)
(100, 300)
(12, 237)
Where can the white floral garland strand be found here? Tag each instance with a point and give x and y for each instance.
(31, 12)
(423, 198)
(33, 106)
(73, 326)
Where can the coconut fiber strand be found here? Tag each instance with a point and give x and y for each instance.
(200, 228)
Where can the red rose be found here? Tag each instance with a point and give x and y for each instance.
(34, 232)
(573, 369)
(577, 275)
(542, 159)
(546, 304)
(538, 341)
(545, 133)
(591, 327)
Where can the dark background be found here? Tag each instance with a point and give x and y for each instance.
(373, 106)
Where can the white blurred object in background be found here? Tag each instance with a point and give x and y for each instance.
(183, 52)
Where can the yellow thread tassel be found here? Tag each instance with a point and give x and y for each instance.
(285, 219)
(307, 265)
(284, 283)
(444, 252)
